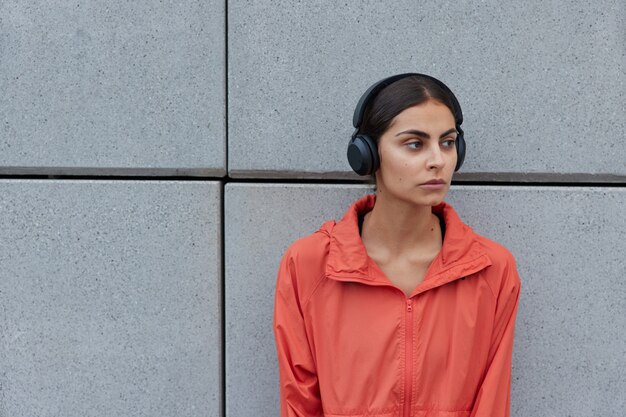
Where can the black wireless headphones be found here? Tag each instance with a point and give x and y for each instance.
(362, 150)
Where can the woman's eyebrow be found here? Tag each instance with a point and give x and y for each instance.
(424, 134)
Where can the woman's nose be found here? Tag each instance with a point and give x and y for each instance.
(435, 157)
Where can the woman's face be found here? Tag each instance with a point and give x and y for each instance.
(418, 146)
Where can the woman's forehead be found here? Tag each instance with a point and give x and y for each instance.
(430, 117)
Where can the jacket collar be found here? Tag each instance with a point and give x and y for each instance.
(460, 255)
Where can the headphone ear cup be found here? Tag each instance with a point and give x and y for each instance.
(363, 155)
(460, 150)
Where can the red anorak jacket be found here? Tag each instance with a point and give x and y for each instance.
(351, 343)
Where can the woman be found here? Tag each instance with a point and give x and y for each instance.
(400, 308)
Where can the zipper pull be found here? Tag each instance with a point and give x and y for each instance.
(409, 305)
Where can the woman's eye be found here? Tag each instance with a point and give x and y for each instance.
(450, 142)
(414, 143)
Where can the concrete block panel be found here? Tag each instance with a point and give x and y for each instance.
(114, 88)
(260, 221)
(570, 347)
(542, 85)
(568, 244)
(110, 295)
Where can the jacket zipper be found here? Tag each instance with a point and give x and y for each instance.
(408, 358)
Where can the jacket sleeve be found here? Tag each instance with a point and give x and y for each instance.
(299, 389)
(494, 394)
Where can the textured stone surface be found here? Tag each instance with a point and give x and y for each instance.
(568, 244)
(261, 220)
(110, 295)
(112, 87)
(542, 85)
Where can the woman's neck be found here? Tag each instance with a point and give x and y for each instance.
(397, 228)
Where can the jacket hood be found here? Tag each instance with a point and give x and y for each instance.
(461, 253)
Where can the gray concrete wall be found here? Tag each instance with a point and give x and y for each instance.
(110, 295)
(124, 294)
(112, 88)
(570, 344)
(542, 85)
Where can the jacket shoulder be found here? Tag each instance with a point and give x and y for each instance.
(503, 271)
(308, 251)
(304, 262)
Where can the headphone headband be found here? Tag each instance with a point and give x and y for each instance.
(359, 111)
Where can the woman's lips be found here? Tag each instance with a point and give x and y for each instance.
(433, 186)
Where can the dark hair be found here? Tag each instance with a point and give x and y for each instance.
(394, 99)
